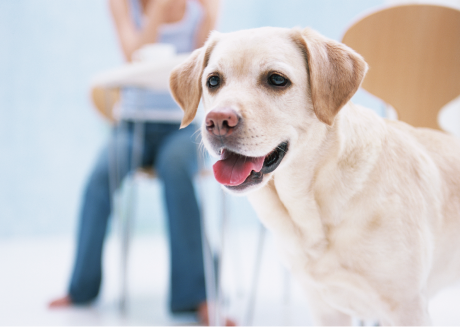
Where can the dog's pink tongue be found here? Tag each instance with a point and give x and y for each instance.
(233, 169)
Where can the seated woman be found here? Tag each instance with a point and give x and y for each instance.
(186, 25)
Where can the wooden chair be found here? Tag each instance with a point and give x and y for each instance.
(413, 52)
(104, 100)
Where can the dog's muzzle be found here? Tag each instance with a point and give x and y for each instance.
(238, 172)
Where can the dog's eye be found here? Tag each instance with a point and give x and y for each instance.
(213, 81)
(277, 80)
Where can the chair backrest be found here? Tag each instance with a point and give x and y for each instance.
(413, 52)
(104, 99)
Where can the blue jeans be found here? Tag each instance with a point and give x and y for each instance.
(173, 154)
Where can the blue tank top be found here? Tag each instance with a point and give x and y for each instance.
(180, 34)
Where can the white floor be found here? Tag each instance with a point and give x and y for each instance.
(34, 271)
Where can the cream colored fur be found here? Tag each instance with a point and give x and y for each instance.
(365, 210)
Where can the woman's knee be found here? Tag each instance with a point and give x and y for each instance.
(177, 156)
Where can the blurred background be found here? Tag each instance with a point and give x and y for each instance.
(50, 132)
(50, 135)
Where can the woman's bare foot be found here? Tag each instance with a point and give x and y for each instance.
(62, 302)
(203, 319)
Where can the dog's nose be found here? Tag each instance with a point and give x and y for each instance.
(221, 121)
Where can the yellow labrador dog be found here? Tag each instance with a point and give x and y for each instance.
(365, 210)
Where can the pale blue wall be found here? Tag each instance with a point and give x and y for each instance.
(329, 17)
(49, 133)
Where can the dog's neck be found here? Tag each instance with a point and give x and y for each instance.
(307, 196)
(341, 162)
(348, 155)
(311, 187)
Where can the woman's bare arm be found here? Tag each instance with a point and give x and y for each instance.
(211, 12)
(129, 36)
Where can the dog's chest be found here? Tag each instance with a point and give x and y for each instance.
(319, 255)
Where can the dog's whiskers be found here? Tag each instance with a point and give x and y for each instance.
(197, 132)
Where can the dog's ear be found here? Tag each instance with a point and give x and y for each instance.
(185, 82)
(335, 72)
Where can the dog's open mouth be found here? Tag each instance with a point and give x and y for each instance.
(236, 171)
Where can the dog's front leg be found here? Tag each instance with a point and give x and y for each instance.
(412, 312)
(322, 314)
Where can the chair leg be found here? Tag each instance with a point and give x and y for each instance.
(213, 274)
(286, 297)
(208, 258)
(219, 317)
(123, 254)
(255, 277)
(210, 274)
(121, 229)
(126, 210)
(117, 212)
(126, 213)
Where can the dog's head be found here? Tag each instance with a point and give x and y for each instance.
(262, 90)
